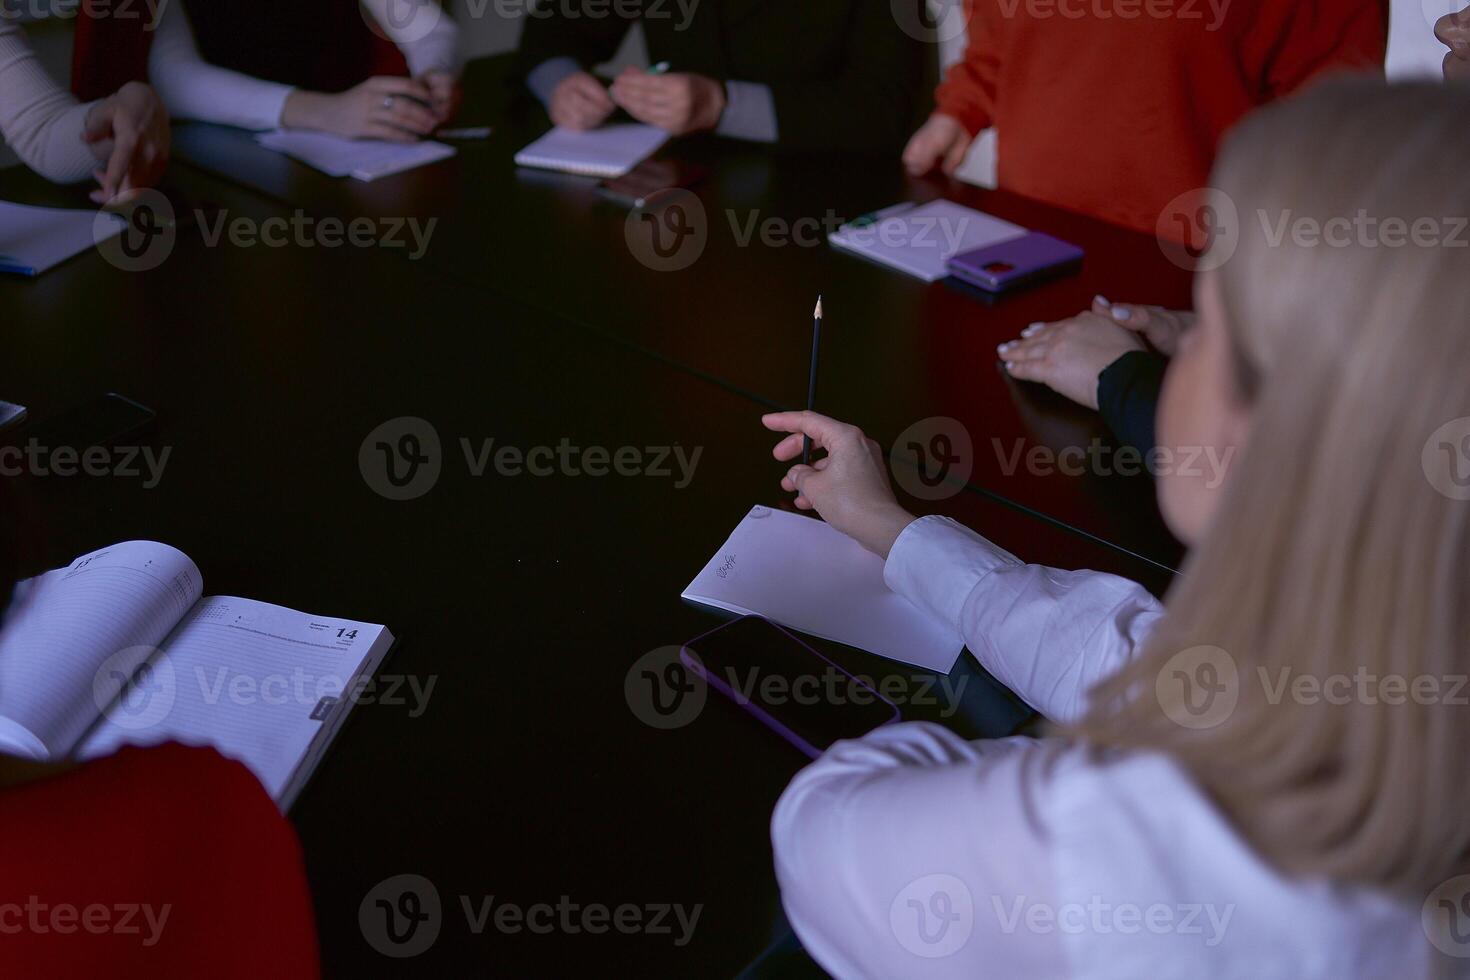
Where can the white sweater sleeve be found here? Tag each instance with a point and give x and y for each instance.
(39, 119)
(427, 36)
(192, 88)
(1048, 635)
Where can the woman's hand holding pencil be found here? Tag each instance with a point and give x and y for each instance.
(849, 486)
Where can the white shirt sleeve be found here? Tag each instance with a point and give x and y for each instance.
(427, 36)
(38, 118)
(901, 855)
(1048, 635)
(192, 88)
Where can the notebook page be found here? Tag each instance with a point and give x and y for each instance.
(33, 240)
(921, 240)
(802, 573)
(362, 159)
(76, 634)
(253, 680)
(608, 151)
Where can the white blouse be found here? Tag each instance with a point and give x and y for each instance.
(192, 88)
(38, 118)
(914, 853)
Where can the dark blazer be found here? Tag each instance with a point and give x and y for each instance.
(843, 74)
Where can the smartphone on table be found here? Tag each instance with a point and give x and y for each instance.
(790, 688)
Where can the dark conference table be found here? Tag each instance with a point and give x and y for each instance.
(526, 600)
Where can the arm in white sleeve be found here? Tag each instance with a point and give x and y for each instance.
(192, 88)
(910, 852)
(427, 36)
(1048, 635)
(39, 119)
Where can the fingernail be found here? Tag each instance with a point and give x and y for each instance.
(1009, 365)
(1032, 330)
(1006, 346)
(1101, 301)
(1121, 314)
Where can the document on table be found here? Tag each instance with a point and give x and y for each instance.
(801, 573)
(359, 159)
(920, 239)
(608, 151)
(10, 412)
(33, 240)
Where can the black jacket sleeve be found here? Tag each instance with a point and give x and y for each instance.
(1128, 397)
(584, 30)
(871, 104)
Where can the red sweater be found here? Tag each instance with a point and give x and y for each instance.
(160, 862)
(1103, 108)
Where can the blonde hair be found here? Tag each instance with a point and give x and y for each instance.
(1332, 552)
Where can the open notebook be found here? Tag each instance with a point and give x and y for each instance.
(802, 573)
(358, 159)
(608, 151)
(121, 647)
(33, 240)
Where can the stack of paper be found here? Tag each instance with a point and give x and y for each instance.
(359, 159)
(803, 574)
(33, 240)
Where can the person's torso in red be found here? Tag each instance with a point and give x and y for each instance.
(1116, 107)
(159, 862)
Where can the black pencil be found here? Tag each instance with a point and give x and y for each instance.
(811, 386)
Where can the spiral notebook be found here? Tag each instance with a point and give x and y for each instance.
(608, 151)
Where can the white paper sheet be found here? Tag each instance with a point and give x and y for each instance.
(33, 240)
(359, 159)
(805, 575)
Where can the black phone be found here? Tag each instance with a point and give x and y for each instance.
(639, 186)
(791, 688)
(100, 421)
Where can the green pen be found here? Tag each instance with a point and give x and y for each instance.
(659, 68)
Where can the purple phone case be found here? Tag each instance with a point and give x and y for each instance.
(765, 718)
(1007, 265)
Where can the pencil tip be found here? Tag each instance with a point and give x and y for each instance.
(818, 314)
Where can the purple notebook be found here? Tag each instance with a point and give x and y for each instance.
(1017, 262)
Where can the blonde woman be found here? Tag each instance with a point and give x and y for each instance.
(1264, 777)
